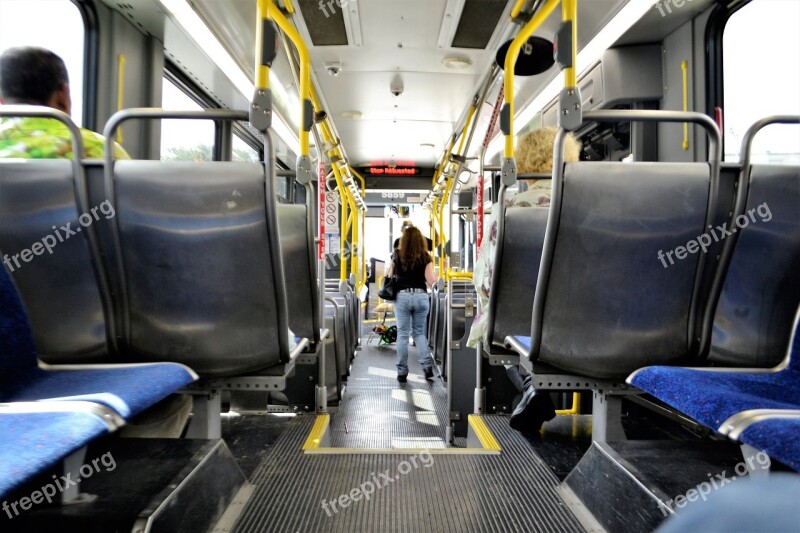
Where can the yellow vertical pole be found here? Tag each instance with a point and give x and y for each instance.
(569, 12)
(120, 90)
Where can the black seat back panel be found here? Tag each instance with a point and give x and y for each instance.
(197, 264)
(612, 305)
(59, 289)
(753, 319)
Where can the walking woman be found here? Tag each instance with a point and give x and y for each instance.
(413, 268)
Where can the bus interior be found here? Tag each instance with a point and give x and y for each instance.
(203, 347)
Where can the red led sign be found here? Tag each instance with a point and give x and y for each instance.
(393, 171)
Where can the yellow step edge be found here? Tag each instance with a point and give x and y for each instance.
(317, 432)
(489, 443)
(483, 433)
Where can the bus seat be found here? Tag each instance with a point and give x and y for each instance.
(297, 250)
(127, 389)
(760, 291)
(334, 350)
(59, 289)
(611, 306)
(518, 257)
(714, 396)
(777, 435)
(201, 285)
(35, 438)
(753, 317)
(335, 321)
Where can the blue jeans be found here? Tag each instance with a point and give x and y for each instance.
(411, 310)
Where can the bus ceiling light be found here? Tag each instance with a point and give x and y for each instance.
(196, 29)
(452, 15)
(352, 114)
(352, 22)
(206, 41)
(456, 63)
(620, 23)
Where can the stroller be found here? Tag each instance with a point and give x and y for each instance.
(387, 334)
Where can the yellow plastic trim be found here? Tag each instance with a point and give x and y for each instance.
(489, 444)
(685, 75)
(484, 434)
(289, 6)
(317, 432)
(120, 90)
(511, 60)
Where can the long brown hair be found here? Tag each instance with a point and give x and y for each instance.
(413, 249)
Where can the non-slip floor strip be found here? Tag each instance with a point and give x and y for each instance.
(513, 491)
(379, 412)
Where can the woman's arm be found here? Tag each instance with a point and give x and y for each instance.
(430, 277)
(389, 270)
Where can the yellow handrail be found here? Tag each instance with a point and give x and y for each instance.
(305, 69)
(685, 76)
(517, 9)
(511, 60)
(452, 274)
(576, 406)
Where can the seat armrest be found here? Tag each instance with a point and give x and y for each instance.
(298, 349)
(514, 343)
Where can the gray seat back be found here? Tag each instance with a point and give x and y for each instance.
(610, 304)
(46, 218)
(761, 291)
(297, 249)
(58, 282)
(511, 296)
(201, 283)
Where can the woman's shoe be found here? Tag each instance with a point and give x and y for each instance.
(532, 411)
(402, 379)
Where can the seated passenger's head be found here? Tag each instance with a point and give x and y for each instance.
(34, 76)
(534, 152)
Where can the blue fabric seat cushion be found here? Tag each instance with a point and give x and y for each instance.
(128, 389)
(777, 437)
(33, 443)
(713, 397)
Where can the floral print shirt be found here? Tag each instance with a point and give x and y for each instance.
(47, 138)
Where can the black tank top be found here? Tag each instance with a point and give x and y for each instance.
(411, 279)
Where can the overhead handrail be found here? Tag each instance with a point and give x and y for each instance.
(268, 9)
(569, 100)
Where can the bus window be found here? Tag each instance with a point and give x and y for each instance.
(53, 24)
(184, 140)
(761, 51)
(242, 151)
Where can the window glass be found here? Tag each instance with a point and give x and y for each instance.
(53, 24)
(243, 151)
(184, 140)
(761, 51)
